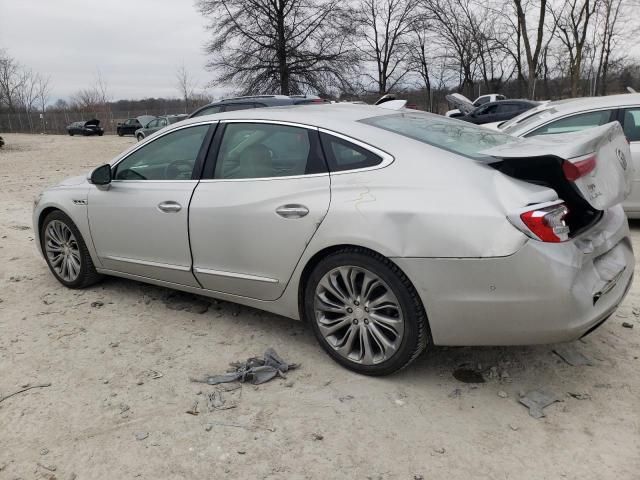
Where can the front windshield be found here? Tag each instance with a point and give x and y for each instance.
(453, 135)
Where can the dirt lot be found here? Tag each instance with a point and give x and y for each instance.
(119, 357)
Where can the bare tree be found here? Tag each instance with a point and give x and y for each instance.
(43, 91)
(383, 31)
(573, 21)
(534, 42)
(421, 56)
(26, 93)
(607, 36)
(286, 46)
(10, 81)
(185, 84)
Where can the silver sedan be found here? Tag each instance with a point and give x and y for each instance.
(388, 231)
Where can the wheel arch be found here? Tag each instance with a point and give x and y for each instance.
(323, 253)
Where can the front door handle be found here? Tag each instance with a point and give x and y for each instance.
(169, 207)
(292, 210)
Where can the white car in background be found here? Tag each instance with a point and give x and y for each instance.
(481, 100)
(565, 116)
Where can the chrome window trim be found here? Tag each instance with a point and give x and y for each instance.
(126, 155)
(240, 276)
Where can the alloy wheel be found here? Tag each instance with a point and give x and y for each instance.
(62, 250)
(358, 315)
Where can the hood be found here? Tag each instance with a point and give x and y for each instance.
(144, 119)
(461, 102)
(71, 181)
(94, 122)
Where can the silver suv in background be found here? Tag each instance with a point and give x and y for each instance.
(156, 124)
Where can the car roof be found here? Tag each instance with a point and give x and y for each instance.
(338, 117)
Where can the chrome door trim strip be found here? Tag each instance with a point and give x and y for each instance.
(240, 276)
(180, 268)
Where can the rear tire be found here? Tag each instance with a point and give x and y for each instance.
(63, 246)
(365, 313)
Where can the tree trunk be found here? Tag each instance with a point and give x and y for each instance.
(282, 52)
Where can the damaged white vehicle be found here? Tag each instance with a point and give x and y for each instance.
(387, 231)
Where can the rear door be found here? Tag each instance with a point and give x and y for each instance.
(630, 119)
(265, 194)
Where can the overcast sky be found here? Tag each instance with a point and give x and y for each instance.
(136, 44)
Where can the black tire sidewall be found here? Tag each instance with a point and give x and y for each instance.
(414, 316)
(86, 265)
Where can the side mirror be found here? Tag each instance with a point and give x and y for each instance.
(101, 175)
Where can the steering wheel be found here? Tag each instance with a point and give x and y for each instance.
(178, 170)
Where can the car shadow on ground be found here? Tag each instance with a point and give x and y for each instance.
(523, 366)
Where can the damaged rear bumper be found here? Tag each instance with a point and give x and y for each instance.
(544, 293)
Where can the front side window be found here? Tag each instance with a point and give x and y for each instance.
(631, 124)
(574, 123)
(170, 157)
(152, 124)
(261, 150)
(162, 122)
(481, 101)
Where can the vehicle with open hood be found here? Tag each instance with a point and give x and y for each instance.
(90, 127)
(481, 100)
(130, 125)
(388, 231)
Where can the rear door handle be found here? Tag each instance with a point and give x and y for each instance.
(292, 210)
(169, 207)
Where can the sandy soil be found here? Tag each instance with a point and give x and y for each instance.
(119, 357)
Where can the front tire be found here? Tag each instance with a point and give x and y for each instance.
(140, 137)
(365, 313)
(66, 252)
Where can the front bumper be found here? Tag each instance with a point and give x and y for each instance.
(544, 293)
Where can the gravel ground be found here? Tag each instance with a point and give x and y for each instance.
(119, 357)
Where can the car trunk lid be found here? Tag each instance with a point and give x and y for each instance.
(594, 163)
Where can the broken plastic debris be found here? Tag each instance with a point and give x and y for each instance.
(570, 355)
(537, 400)
(253, 370)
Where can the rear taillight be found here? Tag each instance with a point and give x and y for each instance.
(575, 170)
(548, 224)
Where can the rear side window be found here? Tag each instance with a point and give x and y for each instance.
(343, 155)
(574, 123)
(632, 124)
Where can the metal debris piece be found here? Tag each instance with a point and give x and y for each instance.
(254, 370)
(537, 401)
(317, 437)
(194, 409)
(627, 325)
(141, 435)
(580, 396)
(217, 401)
(41, 385)
(570, 355)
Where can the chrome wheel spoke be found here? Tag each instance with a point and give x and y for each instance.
(358, 315)
(62, 250)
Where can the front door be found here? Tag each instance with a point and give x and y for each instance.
(252, 220)
(139, 223)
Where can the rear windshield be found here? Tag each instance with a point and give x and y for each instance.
(527, 118)
(453, 135)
